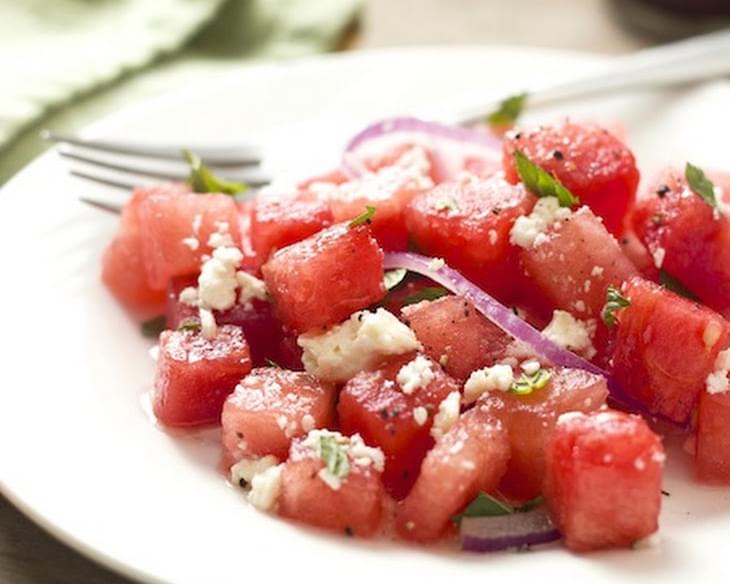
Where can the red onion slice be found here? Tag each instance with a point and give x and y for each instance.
(501, 532)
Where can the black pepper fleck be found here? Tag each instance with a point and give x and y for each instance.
(662, 191)
(557, 155)
(348, 531)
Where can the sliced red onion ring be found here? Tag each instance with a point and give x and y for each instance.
(491, 534)
(433, 130)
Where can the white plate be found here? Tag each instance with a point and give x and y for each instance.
(81, 457)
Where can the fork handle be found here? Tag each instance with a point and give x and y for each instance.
(694, 59)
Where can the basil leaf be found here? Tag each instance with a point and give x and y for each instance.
(531, 504)
(700, 184)
(484, 506)
(190, 324)
(508, 111)
(526, 384)
(541, 183)
(429, 293)
(614, 301)
(334, 456)
(366, 217)
(202, 179)
(394, 278)
(671, 283)
(153, 327)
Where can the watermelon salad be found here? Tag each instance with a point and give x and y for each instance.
(459, 334)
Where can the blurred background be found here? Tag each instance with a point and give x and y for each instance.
(66, 63)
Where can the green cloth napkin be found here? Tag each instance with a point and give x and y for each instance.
(66, 62)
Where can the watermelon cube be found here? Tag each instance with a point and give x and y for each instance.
(604, 479)
(352, 505)
(455, 335)
(374, 405)
(176, 227)
(665, 347)
(713, 438)
(270, 407)
(687, 237)
(530, 420)
(589, 160)
(195, 375)
(468, 223)
(323, 279)
(469, 458)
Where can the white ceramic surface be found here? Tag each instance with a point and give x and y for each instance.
(82, 458)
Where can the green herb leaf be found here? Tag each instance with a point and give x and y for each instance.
(394, 278)
(541, 183)
(272, 363)
(485, 505)
(526, 384)
(334, 456)
(700, 184)
(189, 324)
(671, 283)
(614, 301)
(429, 293)
(508, 111)
(153, 327)
(366, 217)
(202, 179)
(531, 504)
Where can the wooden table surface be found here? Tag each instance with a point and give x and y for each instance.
(27, 554)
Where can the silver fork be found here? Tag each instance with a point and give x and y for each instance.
(127, 165)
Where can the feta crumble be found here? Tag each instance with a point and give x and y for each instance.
(546, 213)
(217, 282)
(420, 415)
(492, 234)
(498, 377)
(189, 296)
(531, 366)
(573, 334)
(447, 415)
(245, 469)
(308, 423)
(415, 375)
(719, 380)
(191, 242)
(221, 236)
(251, 287)
(357, 344)
(265, 488)
(658, 256)
(436, 264)
(208, 326)
(597, 271)
(711, 334)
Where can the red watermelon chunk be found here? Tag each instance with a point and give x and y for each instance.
(590, 161)
(604, 478)
(270, 407)
(175, 228)
(665, 348)
(713, 438)
(355, 507)
(374, 405)
(574, 262)
(278, 222)
(454, 334)
(468, 223)
(323, 279)
(471, 457)
(530, 420)
(195, 375)
(687, 237)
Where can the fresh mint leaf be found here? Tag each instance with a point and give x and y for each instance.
(189, 324)
(614, 301)
(429, 293)
(700, 184)
(394, 278)
(485, 505)
(153, 327)
(671, 283)
(363, 218)
(334, 456)
(508, 111)
(203, 180)
(526, 384)
(531, 504)
(541, 183)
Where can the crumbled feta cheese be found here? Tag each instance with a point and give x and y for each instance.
(217, 282)
(251, 287)
(531, 366)
(357, 344)
(492, 234)
(197, 223)
(597, 271)
(546, 213)
(189, 296)
(221, 236)
(282, 421)
(420, 415)
(639, 464)
(711, 334)
(191, 242)
(580, 306)
(436, 264)
(571, 333)
(308, 423)
(447, 415)
(265, 487)
(498, 377)
(719, 380)
(245, 469)
(208, 326)
(658, 256)
(415, 374)
(587, 286)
